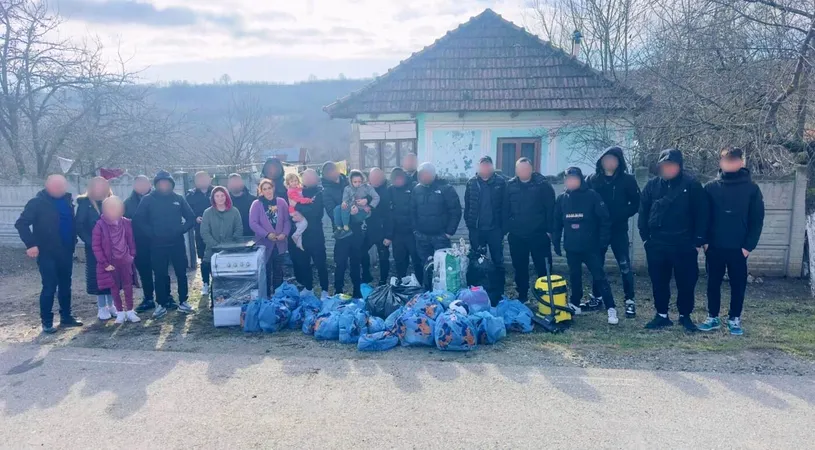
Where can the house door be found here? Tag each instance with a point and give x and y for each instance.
(510, 150)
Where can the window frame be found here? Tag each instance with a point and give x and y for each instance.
(379, 146)
(518, 141)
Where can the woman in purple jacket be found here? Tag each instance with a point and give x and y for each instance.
(269, 219)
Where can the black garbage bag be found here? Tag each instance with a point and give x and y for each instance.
(482, 272)
(386, 299)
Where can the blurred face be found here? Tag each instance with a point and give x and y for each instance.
(523, 171)
(98, 189)
(376, 177)
(141, 186)
(398, 181)
(356, 182)
(332, 174)
(273, 171)
(572, 183)
(426, 177)
(267, 191)
(409, 162)
(669, 170)
(164, 186)
(731, 164)
(219, 198)
(235, 185)
(202, 181)
(310, 178)
(485, 170)
(113, 209)
(610, 163)
(56, 186)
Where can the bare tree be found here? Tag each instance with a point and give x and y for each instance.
(245, 130)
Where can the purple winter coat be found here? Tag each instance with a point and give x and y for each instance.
(261, 225)
(103, 250)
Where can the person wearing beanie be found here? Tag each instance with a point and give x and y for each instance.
(484, 211)
(400, 228)
(673, 225)
(435, 212)
(736, 221)
(164, 217)
(582, 219)
(199, 199)
(620, 192)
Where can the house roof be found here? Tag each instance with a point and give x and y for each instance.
(486, 64)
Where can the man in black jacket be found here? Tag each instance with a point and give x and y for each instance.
(375, 234)
(46, 227)
(400, 231)
(484, 211)
(143, 262)
(583, 220)
(164, 217)
(313, 238)
(409, 165)
(435, 212)
(199, 200)
(273, 170)
(528, 205)
(347, 251)
(242, 200)
(673, 223)
(621, 195)
(736, 221)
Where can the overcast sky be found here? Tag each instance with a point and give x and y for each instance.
(269, 40)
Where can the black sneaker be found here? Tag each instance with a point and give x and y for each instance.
(658, 323)
(145, 306)
(342, 234)
(48, 329)
(630, 309)
(171, 306)
(594, 304)
(688, 324)
(70, 322)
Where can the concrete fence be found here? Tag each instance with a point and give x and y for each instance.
(780, 251)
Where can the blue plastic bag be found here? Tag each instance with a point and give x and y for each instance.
(516, 315)
(251, 320)
(455, 332)
(286, 290)
(426, 304)
(336, 303)
(273, 316)
(309, 321)
(489, 329)
(377, 342)
(366, 290)
(476, 298)
(353, 324)
(327, 326)
(308, 305)
(415, 330)
(390, 321)
(443, 297)
(375, 324)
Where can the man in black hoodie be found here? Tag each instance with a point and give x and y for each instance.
(400, 231)
(621, 195)
(673, 224)
(736, 221)
(529, 203)
(347, 251)
(484, 211)
(409, 166)
(143, 262)
(377, 224)
(164, 217)
(242, 200)
(199, 200)
(313, 238)
(435, 212)
(582, 218)
(273, 170)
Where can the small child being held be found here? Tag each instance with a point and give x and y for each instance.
(294, 189)
(354, 198)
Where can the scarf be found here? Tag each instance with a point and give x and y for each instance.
(117, 239)
(270, 207)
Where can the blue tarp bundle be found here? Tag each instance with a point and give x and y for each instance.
(273, 316)
(516, 315)
(327, 326)
(353, 323)
(489, 329)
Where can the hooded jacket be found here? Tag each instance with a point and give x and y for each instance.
(279, 184)
(103, 253)
(164, 217)
(332, 194)
(88, 213)
(400, 205)
(736, 211)
(620, 191)
(674, 213)
(38, 225)
(583, 220)
(379, 221)
(313, 212)
(220, 227)
(474, 213)
(528, 207)
(435, 208)
(242, 203)
(131, 206)
(199, 201)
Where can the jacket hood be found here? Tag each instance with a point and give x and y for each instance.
(740, 176)
(163, 175)
(616, 151)
(671, 155)
(398, 172)
(225, 191)
(269, 162)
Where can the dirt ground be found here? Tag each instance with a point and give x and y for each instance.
(778, 319)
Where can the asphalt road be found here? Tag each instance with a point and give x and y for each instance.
(70, 398)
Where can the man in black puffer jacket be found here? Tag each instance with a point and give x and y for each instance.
(673, 223)
(375, 235)
(313, 238)
(484, 211)
(435, 212)
(736, 221)
(199, 200)
(582, 218)
(400, 231)
(528, 206)
(143, 262)
(621, 194)
(347, 251)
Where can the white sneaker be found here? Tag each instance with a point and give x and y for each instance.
(184, 308)
(104, 313)
(205, 289)
(113, 310)
(159, 312)
(612, 316)
(132, 317)
(120, 317)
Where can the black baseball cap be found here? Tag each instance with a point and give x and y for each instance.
(732, 153)
(485, 159)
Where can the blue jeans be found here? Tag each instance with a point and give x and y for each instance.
(56, 272)
(342, 217)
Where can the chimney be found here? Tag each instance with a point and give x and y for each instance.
(577, 39)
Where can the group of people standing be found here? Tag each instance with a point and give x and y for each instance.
(414, 213)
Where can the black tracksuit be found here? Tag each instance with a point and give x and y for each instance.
(164, 217)
(401, 232)
(86, 217)
(673, 223)
(199, 202)
(622, 198)
(375, 234)
(39, 226)
(313, 241)
(435, 214)
(243, 203)
(736, 221)
(143, 260)
(348, 251)
(583, 220)
(484, 215)
(528, 208)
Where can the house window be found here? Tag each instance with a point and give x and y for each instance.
(385, 154)
(512, 149)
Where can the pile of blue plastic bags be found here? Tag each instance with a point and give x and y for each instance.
(450, 322)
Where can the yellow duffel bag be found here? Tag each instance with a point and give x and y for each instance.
(560, 293)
